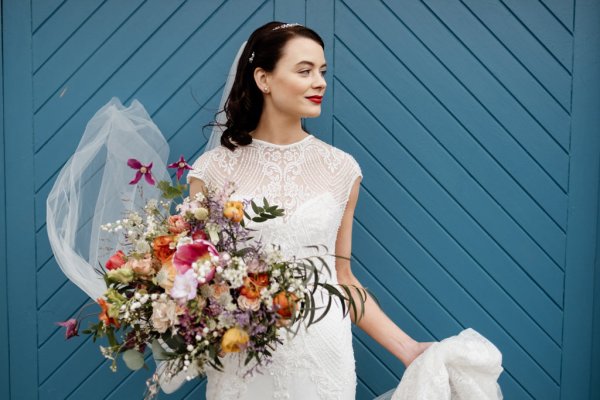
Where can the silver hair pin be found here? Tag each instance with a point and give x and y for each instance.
(251, 58)
(286, 26)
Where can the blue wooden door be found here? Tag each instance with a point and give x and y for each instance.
(472, 121)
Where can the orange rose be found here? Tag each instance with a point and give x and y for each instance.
(234, 210)
(161, 247)
(253, 284)
(233, 214)
(261, 280)
(104, 314)
(285, 303)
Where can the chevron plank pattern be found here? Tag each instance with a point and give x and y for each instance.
(458, 113)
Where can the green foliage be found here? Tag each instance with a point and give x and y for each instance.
(265, 212)
(169, 191)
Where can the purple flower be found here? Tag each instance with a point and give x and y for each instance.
(181, 166)
(71, 326)
(242, 319)
(141, 170)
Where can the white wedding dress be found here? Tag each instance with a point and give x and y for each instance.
(311, 181)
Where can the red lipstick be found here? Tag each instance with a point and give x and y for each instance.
(315, 99)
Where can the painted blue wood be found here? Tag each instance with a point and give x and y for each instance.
(18, 114)
(583, 206)
(595, 352)
(479, 201)
(4, 337)
(318, 17)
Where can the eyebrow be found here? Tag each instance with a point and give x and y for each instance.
(310, 63)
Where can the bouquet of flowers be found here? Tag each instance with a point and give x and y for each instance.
(190, 284)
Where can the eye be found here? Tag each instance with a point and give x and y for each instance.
(324, 72)
(305, 72)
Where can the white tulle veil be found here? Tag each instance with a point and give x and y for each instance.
(221, 119)
(93, 189)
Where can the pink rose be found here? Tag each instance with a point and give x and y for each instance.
(115, 261)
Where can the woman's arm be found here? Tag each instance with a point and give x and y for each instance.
(196, 185)
(374, 321)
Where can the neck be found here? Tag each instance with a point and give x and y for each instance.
(278, 128)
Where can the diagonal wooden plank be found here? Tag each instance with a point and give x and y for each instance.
(49, 80)
(500, 152)
(466, 230)
(59, 26)
(498, 63)
(525, 49)
(482, 109)
(562, 10)
(488, 212)
(125, 80)
(42, 10)
(544, 26)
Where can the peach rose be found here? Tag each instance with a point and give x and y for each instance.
(177, 224)
(247, 304)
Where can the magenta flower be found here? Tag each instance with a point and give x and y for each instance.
(196, 252)
(141, 170)
(181, 166)
(71, 326)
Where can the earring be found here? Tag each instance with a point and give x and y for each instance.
(266, 90)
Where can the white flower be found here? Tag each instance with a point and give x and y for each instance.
(164, 315)
(141, 246)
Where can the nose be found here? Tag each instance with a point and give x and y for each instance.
(320, 82)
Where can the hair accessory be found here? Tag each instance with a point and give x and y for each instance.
(251, 58)
(283, 26)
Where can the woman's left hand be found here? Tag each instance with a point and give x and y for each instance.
(417, 350)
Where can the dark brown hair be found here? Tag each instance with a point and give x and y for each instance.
(245, 102)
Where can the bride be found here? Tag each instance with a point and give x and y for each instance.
(280, 79)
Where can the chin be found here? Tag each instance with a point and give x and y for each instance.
(312, 114)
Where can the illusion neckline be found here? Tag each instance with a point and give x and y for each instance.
(282, 146)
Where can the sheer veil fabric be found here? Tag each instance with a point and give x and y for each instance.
(92, 189)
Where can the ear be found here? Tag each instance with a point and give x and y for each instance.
(261, 77)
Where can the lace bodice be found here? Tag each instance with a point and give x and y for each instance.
(311, 180)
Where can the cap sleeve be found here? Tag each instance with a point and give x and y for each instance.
(350, 171)
(199, 168)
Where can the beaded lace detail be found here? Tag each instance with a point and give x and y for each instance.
(311, 181)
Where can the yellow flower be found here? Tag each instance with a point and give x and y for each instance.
(234, 340)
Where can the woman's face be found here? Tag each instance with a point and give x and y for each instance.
(297, 83)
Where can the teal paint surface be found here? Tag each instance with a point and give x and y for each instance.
(583, 209)
(21, 282)
(474, 124)
(4, 345)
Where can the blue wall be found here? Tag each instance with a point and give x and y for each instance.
(475, 125)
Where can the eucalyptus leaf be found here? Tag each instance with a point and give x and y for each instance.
(133, 359)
